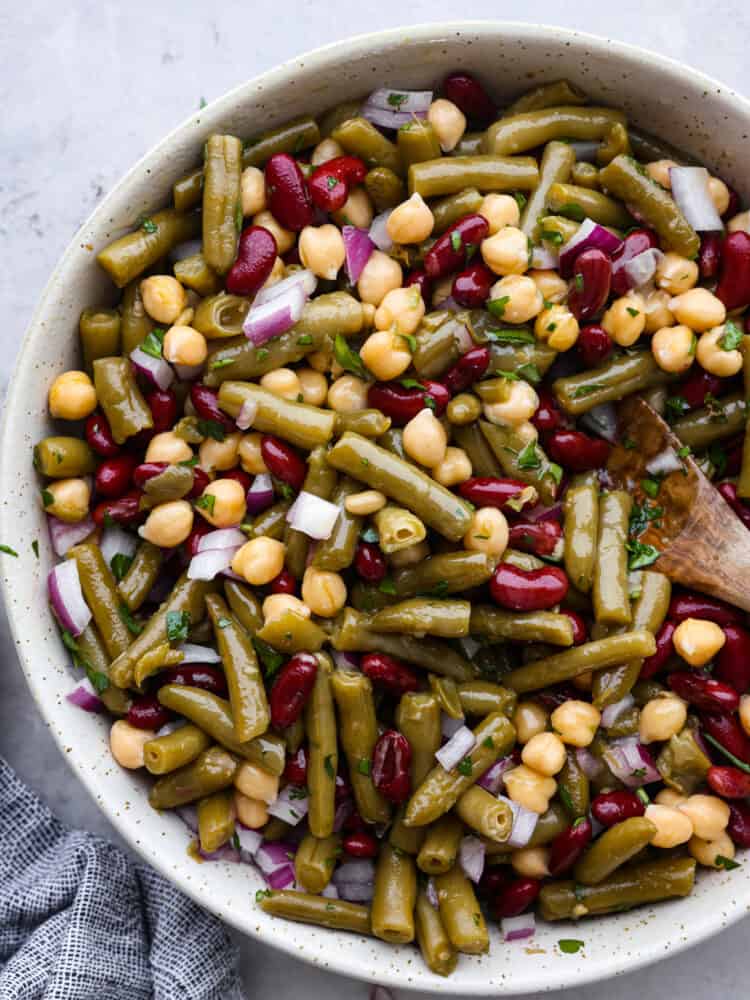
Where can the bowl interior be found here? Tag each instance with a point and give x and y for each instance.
(670, 101)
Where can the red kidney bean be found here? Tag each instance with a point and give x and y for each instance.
(200, 482)
(528, 590)
(284, 583)
(738, 827)
(493, 881)
(491, 492)
(99, 436)
(124, 510)
(471, 288)
(206, 403)
(541, 538)
(389, 673)
(594, 345)
(292, 688)
(418, 277)
(390, 766)
(354, 822)
(200, 528)
(733, 456)
(609, 808)
(283, 461)
(664, 650)
(732, 664)
(287, 194)
(727, 731)
(331, 182)
(369, 562)
(239, 476)
(576, 451)
(709, 255)
(147, 470)
(592, 276)
(704, 692)
(450, 251)
(568, 846)
(256, 255)
(729, 782)
(469, 368)
(360, 845)
(163, 406)
(516, 898)
(734, 203)
(295, 769)
(401, 404)
(734, 277)
(580, 632)
(633, 244)
(729, 492)
(547, 416)
(687, 605)
(468, 94)
(199, 675)
(147, 712)
(697, 386)
(112, 478)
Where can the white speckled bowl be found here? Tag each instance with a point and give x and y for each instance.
(667, 99)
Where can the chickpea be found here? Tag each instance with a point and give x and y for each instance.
(218, 456)
(699, 309)
(186, 316)
(222, 503)
(669, 797)
(455, 467)
(184, 346)
(558, 326)
(127, 742)
(576, 722)
(744, 713)
(164, 298)
(520, 296)
(168, 524)
(168, 447)
(719, 194)
(529, 789)
(507, 252)
(380, 275)
(673, 348)
(672, 826)
(529, 719)
(662, 718)
(250, 812)
(72, 396)
(410, 556)
(70, 499)
(708, 852)
(323, 592)
(488, 532)
(657, 311)
(356, 211)
(676, 274)
(625, 320)
(321, 249)
(425, 439)
(348, 394)
(520, 404)
(531, 862)
(260, 560)
(386, 354)
(252, 191)
(658, 170)
(278, 271)
(276, 605)
(411, 221)
(285, 238)
(250, 456)
(463, 409)
(553, 288)
(544, 753)
(400, 311)
(708, 813)
(739, 223)
(327, 149)
(284, 383)
(364, 503)
(448, 121)
(313, 386)
(500, 210)
(697, 641)
(256, 783)
(714, 357)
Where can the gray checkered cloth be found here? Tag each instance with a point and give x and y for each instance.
(79, 920)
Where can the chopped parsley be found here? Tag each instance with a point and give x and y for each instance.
(641, 555)
(410, 340)
(261, 354)
(130, 623)
(717, 456)
(566, 800)
(684, 451)
(211, 429)
(676, 407)
(572, 210)
(457, 241)
(641, 515)
(587, 390)
(642, 794)
(555, 470)
(153, 343)
(305, 340)
(496, 307)
(148, 225)
(411, 383)
(396, 100)
(715, 408)
(224, 622)
(550, 236)
(370, 534)
(206, 502)
(178, 625)
(47, 498)
(488, 742)
(221, 363)
(465, 767)
(190, 463)
(629, 444)
(364, 767)
(579, 282)
(530, 373)
(569, 946)
(509, 336)
(329, 767)
(35, 547)
(632, 311)
(262, 894)
(722, 749)
(120, 563)
(521, 200)
(529, 457)
(441, 589)
(9, 551)
(348, 358)
(728, 864)
(298, 792)
(651, 487)
(270, 659)
(387, 586)
(732, 337)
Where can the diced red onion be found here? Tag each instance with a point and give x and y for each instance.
(612, 712)
(524, 823)
(260, 495)
(248, 413)
(222, 538)
(639, 270)
(66, 597)
(518, 928)
(343, 811)
(448, 304)
(458, 746)
(208, 565)
(690, 192)
(189, 816)
(471, 857)
(540, 513)
(588, 763)
(544, 259)
(665, 462)
(312, 515)
(448, 726)
(282, 878)
(345, 661)
(273, 854)
(85, 696)
(64, 536)
(171, 727)
(356, 892)
(250, 840)
(189, 248)
(117, 541)
(590, 235)
(601, 420)
(631, 762)
(303, 279)
(275, 316)
(389, 117)
(193, 653)
(156, 370)
(227, 852)
(379, 233)
(431, 893)
(391, 98)
(291, 805)
(330, 891)
(355, 880)
(585, 150)
(492, 779)
(358, 247)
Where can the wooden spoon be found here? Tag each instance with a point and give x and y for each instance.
(702, 543)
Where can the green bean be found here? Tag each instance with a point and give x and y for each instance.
(318, 910)
(293, 137)
(120, 398)
(211, 772)
(135, 324)
(614, 143)
(417, 141)
(520, 132)
(486, 814)
(245, 606)
(215, 821)
(463, 409)
(556, 164)
(423, 615)
(445, 690)
(480, 698)
(270, 523)
(437, 951)
(164, 754)
(440, 845)
(441, 789)
(617, 378)
(99, 331)
(547, 95)
(141, 576)
(393, 441)
(549, 825)
(460, 912)
(481, 456)
(128, 257)
(193, 272)
(294, 736)
(315, 860)
(394, 896)
(368, 597)
(614, 848)
(682, 763)
(494, 624)
(647, 148)
(403, 837)
(93, 656)
(172, 484)
(448, 175)
(158, 658)
(627, 723)
(723, 419)
(438, 340)
(63, 457)
(454, 207)
(100, 591)
(385, 188)
(418, 718)
(337, 551)
(523, 560)
(187, 190)
(221, 201)
(585, 175)
(554, 226)
(610, 590)
(359, 137)
(221, 316)
(276, 829)
(581, 511)
(444, 573)
(743, 483)
(322, 752)
(291, 633)
(299, 423)
(522, 460)
(581, 202)
(573, 786)
(368, 423)
(320, 481)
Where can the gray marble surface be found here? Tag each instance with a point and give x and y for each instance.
(86, 88)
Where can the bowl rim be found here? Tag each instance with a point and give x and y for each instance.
(716, 919)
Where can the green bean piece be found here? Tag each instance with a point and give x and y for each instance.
(99, 330)
(564, 228)
(93, 657)
(445, 690)
(291, 633)
(368, 423)
(522, 460)
(320, 481)
(172, 484)
(573, 786)
(481, 698)
(743, 483)
(315, 860)
(614, 848)
(136, 585)
(100, 592)
(135, 322)
(614, 143)
(398, 529)
(581, 202)
(547, 95)
(460, 912)
(581, 512)
(120, 398)
(214, 716)
(556, 164)
(451, 174)
(481, 456)
(610, 590)
(247, 695)
(585, 175)
(385, 188)
(358, 730)
(128, 257)
(625, 178)
(337, 551)
(496, 625)
(393, 441)
(417, 141)
(444, 573)
(158, 658)
(441, 789)
(276, 829)
(418, 718)
(292, 137)
(294, 735)
(647, 147)
(716, 422)
(220, 317)
(271, 522)
(221, 201)
(627, 723)
(299, 423)
(621, 376)
(193, 272)
(405, 838)
(486, 814)
(579, 660)
(165, 754)
(682, 763)
(187, 190)
(454, 207)
(470, 144)
(440, 845)
(402, 482)
(359, 137)
(368, 597)
(322, 752)
(463, 409)
(210, 772)
(438, 343)
(525, 130)
(437, 951)
(318, 910)
(245, 605)
(423, 615)
(523, 560)
(215, 821)
(63, 457)
(354, 635)
(549, 825)
(394, 897)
